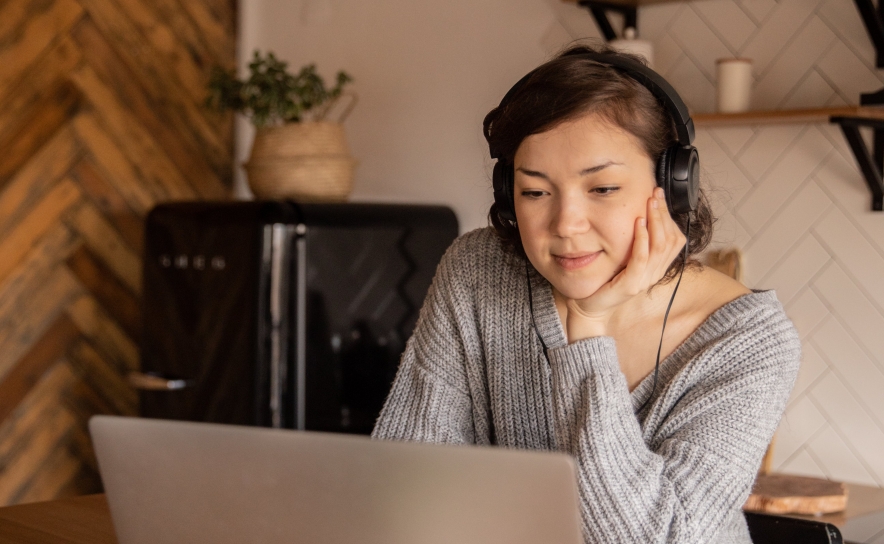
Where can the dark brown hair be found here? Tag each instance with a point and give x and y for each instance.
(568, 87)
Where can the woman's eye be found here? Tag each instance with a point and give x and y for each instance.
(605, 190)
(532, 194)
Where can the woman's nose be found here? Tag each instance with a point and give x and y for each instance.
(570, 218)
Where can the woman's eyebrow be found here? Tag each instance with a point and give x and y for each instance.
(594, 169)
(532, 173)
(584, 172)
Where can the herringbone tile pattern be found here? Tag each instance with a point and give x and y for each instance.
(791, 197)
(806, 231)
(101, 117)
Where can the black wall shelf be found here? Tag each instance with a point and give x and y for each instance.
(628, 8)
(850, 118)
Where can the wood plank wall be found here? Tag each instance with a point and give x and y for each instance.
(101, 117)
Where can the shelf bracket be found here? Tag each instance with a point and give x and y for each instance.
(874, 21)
(873, 18)
(599, 11)
(870, 162)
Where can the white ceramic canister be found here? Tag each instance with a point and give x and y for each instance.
(734, 84)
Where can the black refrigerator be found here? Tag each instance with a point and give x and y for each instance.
(282, 314)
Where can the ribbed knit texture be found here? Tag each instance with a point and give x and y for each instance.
(678, 471)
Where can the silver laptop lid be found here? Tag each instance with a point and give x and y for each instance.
(175, 482)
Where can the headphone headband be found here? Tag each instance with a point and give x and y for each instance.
(677, 168)
(651, 80)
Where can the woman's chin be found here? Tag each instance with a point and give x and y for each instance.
(577, 290)
(575, 286)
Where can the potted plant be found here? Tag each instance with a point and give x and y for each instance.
(297, 153)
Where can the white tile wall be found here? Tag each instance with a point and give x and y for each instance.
(792, 198)
(800, 264)
(801, 423)
(807, 312)
(789, 224)
(813, 367)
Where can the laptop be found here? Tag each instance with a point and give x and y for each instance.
(181, 482)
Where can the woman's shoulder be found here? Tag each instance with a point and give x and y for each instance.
(483, 239)
(477, 253)
(711, 290)
(733, 320)
(754, 326)
(721, 296)
(748, 344)
(753, 310)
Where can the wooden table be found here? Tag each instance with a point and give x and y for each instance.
(79, 520)
(861, 500)
(86, 520)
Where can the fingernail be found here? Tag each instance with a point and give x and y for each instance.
(658, 192)
(643, 222)
(655, 203)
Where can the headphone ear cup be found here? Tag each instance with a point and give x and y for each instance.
(678, 173)
(663, 172)
(502, 182)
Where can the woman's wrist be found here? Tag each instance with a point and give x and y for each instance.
(580, 324)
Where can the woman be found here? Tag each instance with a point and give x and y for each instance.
(543, 332)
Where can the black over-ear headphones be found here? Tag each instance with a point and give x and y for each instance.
(678, 168)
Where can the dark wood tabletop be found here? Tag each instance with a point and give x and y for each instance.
(86, 520)
(78, 520)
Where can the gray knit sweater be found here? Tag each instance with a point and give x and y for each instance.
(677, 471)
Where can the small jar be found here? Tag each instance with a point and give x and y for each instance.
(734, 84)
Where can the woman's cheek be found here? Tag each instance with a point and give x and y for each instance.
(625, 243)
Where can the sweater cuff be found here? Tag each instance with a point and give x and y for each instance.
(572, 364)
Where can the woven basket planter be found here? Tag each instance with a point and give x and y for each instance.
(302, 161)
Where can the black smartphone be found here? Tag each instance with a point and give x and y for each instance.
(768, 529)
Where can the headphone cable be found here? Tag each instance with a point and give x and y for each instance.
(666, 315)
(531, 308)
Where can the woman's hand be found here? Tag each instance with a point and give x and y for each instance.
(657, 242)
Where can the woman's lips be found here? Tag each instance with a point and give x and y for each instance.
(573, 261)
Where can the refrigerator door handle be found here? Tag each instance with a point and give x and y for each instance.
(151, 382)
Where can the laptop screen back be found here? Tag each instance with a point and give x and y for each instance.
(172, 482)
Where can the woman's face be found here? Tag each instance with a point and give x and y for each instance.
(579, 189)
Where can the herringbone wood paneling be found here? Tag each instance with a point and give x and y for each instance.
(101, 118)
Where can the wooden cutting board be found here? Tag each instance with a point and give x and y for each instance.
(787, 494)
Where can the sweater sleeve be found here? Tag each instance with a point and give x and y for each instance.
(679, 485)
(430, 399)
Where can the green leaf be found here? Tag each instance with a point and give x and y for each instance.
(271, 95)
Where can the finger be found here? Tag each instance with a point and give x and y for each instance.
(656, 227)
(641, 243)
(665, 235)
(632, 277)
(667, 221)
(675, 239)
(673, 232)
(662, 233)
